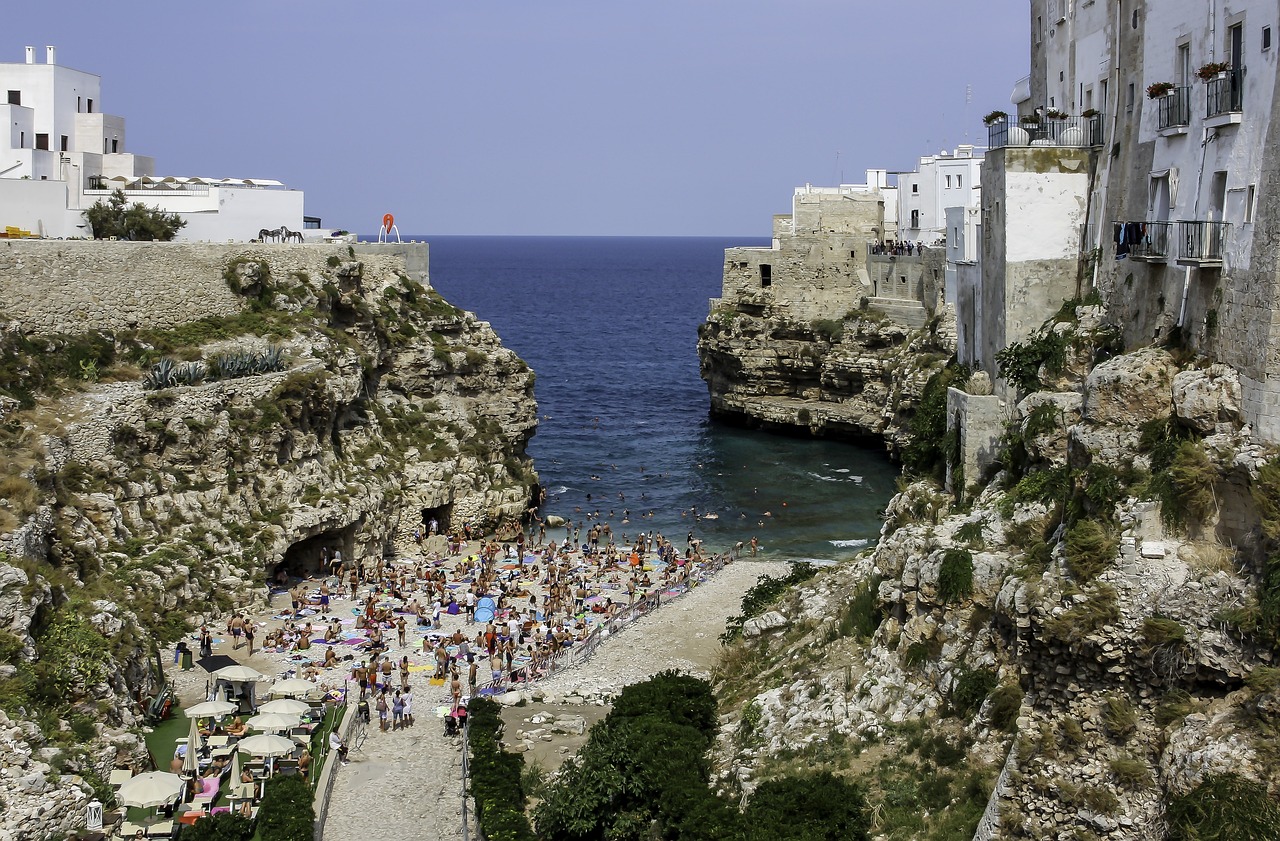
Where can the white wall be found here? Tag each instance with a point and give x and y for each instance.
(38, 206)
(235, 213)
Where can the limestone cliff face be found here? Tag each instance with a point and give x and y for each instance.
(1077, 647)
(130, 510)
(860, 377)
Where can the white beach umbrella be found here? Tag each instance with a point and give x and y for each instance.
(239, 674)
(288, 706)
(209, 709)
(265, 744)
(191, 762)
(291, 688)
(154, 788)
(273, 721)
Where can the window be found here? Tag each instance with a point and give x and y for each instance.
(766, 275)
(1129, 99)
(915, 188)
(915, 218)
(78, 105)
(1266, 37)
(15, 97)
(1183, 70)
(115, 145)
(106, 144)
(1039, 29)
(959, 181)
(90, 108)
(42, 141)
(948, 182)
(22, 140)
(63, 144)
(1249, 198)
(1235, 42)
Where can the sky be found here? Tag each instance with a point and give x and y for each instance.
(540, 117)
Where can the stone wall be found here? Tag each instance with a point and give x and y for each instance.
(50, 286)
(917, 277)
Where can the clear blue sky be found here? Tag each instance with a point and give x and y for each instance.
(595, 117)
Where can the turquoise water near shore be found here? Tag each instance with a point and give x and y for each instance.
(609, 324)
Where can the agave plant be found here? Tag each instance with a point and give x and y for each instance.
(190, 373)
(163, 374)
(273, 358)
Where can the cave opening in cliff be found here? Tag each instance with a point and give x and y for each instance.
(303, 559)
(441, 514)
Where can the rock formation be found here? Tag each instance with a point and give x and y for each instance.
(322, 397)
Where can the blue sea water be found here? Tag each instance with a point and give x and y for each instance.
(610, 327)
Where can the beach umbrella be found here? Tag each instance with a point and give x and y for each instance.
(210, 709)
(273, 721)
(235, 768)
(154, 788)
(191, 762)
(291, 688)
(288, 706)
(239, 674)
(265, 744)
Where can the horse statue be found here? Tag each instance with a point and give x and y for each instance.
(275, 235)
(288, 235)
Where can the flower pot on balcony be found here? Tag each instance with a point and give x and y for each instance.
(1018, 136)
(1071, 136)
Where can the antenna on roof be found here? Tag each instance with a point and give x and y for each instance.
(968, 100)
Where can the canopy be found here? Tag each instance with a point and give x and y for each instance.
(154, 788)
(288, 706)
(239, 674)
(209, 709)
(191, 762)
(291, 688)
(265, 744)
(273, 721)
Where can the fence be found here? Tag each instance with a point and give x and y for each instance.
(577, 654)
(329, 769)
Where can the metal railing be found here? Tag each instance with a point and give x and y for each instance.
(150, 192)
(1049, 131)
(1201, 242)
(1155, 242)
(1175, 108)
(1225, 93)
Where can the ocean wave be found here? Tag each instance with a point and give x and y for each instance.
(822, 478)
(559, 489)
(848, 544)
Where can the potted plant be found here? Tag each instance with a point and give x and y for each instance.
(1090, 113)
(1212, 70)
(1030, 119)
(1155, 90)
(1055, 114)
(994, 117)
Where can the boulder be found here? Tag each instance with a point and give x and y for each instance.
(1128, 390)
(1204, 398)
(757, 625)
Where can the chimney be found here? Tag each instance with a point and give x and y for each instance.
(50, 55)
(31, 55)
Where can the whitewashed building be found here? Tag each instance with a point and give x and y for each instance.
(60, 153)
(947, 179)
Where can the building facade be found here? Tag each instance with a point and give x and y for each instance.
(60, 153)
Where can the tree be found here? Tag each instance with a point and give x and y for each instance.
(821, 807)
(286, 813)
(117, 218)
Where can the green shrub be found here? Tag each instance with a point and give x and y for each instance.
(812, 807)
(495, 776)
(1158, 631)
(1002, 712)
(286, 813)
(1191, 478)
(1081, 619)
(955, 576)
(221, 827)
(1119, 718)
(923, 454)
(1090, 550)
(1131, 773)
(1020, 363)
(764, 593)
(862, 615)
(1224, 807)
(117, 218)
(972, 688)
(971, 533)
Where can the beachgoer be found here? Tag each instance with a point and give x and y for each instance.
(335, 744)
(383, 709)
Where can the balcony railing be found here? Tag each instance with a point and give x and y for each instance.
(1225, 93)
(1175, 108)
(1154, 244)
(1201, 243)
(1050, 131)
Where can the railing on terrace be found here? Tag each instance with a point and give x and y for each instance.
(149, 192)
(1154, 244)
(1225, 93)
(1175, 108)
(1050, 131)
(1201, 243)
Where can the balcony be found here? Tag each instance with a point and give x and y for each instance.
(1154, 245)
(1050, 131)
(1175, 110)
(1225, 98)
(1200, 244)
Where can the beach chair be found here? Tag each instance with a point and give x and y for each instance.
(164, 829)
(120, 776)
(129, 830)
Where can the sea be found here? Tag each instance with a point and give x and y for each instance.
(609, 325)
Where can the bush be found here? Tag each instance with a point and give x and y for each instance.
(817, 807)
(764, 593)
(1224, 807)
(862, 614)
(1002, 712)
(924, 454)
(1078, 621)
(222, 827)
(971, 689)
(495, 776)
(286, 813)
(1090, 550)
(1021, 363)
(672, 697)
(955, 576)
(1119, 718)
(117, 218)
(1131, 772)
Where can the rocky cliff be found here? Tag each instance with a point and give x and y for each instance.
(857, 378)
(158, 472)
(1079, 648)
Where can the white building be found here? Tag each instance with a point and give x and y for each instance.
(59, 153)
(947, 179)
